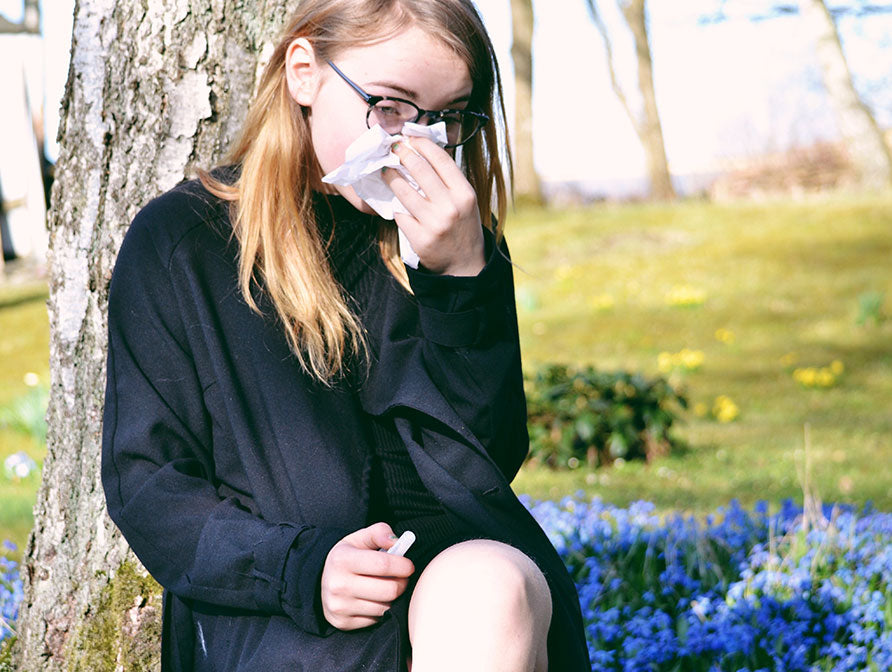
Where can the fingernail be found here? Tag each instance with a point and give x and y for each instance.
(397, 146)
(393, 537)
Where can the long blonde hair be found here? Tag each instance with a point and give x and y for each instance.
(280, 249)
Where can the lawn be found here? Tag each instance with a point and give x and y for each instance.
(785, 281)
(24, 349)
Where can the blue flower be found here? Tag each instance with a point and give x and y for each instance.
(739, 591)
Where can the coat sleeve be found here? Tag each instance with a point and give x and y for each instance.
(158, 471)
(472, 352)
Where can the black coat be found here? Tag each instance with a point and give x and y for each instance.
(232, 474)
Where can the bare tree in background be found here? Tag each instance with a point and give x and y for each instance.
(30, 22)
(646, 122)
(155, 90)
(867, 147)
(526, 182)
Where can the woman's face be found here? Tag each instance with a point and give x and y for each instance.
(410, 65)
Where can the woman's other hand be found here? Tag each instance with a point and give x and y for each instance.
(359, 582)
(444, 224)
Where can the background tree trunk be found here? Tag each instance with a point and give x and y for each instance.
(646, 122)
(527, 186)
(153, 91)
(31, 20)
(865, 142)
(649, 128)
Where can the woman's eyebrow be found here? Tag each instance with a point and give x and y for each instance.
(408, 93)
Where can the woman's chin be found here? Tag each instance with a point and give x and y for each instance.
(356, 201)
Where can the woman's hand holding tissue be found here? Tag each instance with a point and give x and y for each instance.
(444, 225)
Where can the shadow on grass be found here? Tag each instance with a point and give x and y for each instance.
(16, 299)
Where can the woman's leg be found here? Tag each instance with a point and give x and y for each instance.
(480, 605)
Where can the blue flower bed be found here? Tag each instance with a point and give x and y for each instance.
(742, 591)
(10, 590)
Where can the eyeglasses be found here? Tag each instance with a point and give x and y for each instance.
(392, 113)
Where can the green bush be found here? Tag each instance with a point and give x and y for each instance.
(583, 416)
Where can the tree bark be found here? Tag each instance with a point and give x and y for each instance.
(527, 186)
(867, 147)
(154, 90)
(646, 122)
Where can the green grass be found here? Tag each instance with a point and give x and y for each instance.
(783, 278)
(24, 348)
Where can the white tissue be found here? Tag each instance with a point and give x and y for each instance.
(364, 161)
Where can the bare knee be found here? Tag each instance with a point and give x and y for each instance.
(488, 572)
(485, 590)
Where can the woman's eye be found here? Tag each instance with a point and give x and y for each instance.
(451, 117)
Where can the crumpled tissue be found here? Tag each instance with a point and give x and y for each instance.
(362, 169)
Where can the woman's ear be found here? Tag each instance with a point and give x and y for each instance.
(302, 71)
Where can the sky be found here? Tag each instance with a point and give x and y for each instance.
(725, 91)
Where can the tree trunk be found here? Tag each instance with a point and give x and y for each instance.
(649, 128)
(154, 90)
(526, 182)
(31, 20)
(866, 144)
(646, 122)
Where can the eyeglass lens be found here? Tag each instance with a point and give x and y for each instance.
(392, 114)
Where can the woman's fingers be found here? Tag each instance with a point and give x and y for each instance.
(443, 225)
(359, 582)
(373, 537)
(372, 589)
(422, 169)
(440, 161)
(415, 203)
(363, 562)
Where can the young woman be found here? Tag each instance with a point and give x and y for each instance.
(285, 396)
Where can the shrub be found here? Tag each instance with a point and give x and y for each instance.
(583, 416)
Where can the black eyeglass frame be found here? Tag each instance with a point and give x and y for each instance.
(433, 115)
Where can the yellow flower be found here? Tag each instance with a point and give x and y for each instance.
(837, 367)
(685, 360)
(825, 378)
(686, 295)
(602, 302)
(789, 360)
(724, 409)
(806, 376)
(725, 336)
(691, 359)
(815, 377)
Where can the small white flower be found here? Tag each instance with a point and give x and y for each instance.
(31, 379)
(18, 466)
(700, 607)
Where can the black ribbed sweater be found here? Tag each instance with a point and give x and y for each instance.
(396, 493)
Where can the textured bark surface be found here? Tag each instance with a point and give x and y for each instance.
(155, 89)
(526, 182)
(867, 147)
